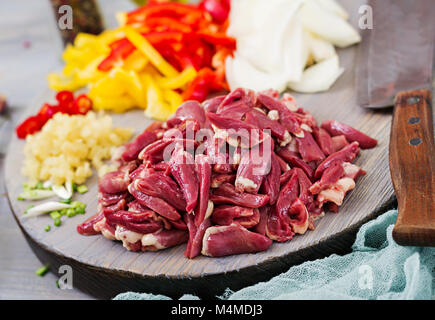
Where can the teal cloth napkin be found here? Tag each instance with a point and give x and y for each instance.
(377, 268)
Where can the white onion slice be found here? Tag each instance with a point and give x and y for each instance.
(333, 7)
(296, 51)
(319, 49)
(320, 77)
(241, 74)
(263, 47)
(328, 26)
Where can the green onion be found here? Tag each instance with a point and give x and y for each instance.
(55, 215)
(47, 185)
(47, 228)
(67, 201)
(46, 207)
(39, 185)
(78, 204)
(35, 194)
(80, 210)
(82, 189)
(20, 198)
(29, 185)
(42, 271)
(57, 222)
(70, 213)
(29, 207)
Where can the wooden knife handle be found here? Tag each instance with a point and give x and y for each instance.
(412, 168)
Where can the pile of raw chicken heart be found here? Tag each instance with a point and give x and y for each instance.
(227, 176)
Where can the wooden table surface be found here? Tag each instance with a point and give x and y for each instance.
(30, 47)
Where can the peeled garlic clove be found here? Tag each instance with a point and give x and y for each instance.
(319, 77)
(328, 26)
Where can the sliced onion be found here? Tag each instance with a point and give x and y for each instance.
(277, 40)
(264, 47)
(319, 77)
(319, 49)
(242, 17)
(333, 7)
(328, 25)
(241, 74)
(296, 51)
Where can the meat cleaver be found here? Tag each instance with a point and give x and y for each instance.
(395, 68)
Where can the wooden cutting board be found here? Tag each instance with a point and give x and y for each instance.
(104, 268)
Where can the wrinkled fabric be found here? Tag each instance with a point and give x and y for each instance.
(377, 268)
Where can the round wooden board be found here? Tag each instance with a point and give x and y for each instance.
(105, 268)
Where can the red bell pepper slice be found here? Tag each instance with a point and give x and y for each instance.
(157, 37)
(121, 49)
(171, 9)
(201, 86)
(167, 24)
(218, 39)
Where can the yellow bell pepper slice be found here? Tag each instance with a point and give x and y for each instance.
(109, 36)
(173, 98)
(179, 81)
(136, 61)
(156, 106)
(59, 82)
(132, 84)
(90, 73)
(148, 50)
(119, 105)
(121, 18)
(107, 87)
(75, 57)
(85, 39)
